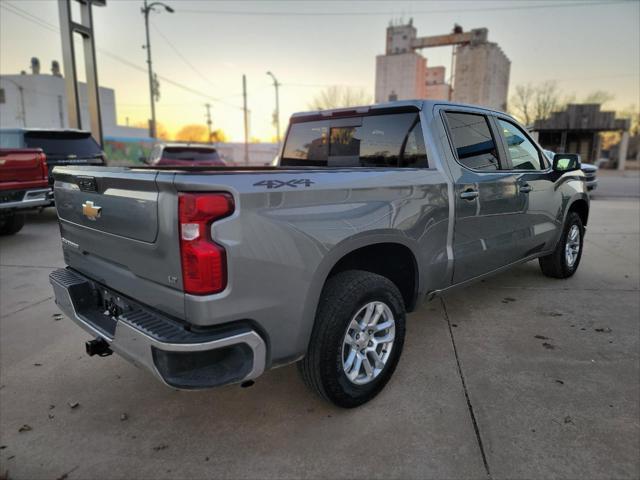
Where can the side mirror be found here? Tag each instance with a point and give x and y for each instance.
(566, 162)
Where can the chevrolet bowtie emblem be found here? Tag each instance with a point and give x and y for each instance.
(91, 211)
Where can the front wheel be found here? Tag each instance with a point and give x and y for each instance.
(357, 338)
(564, 261)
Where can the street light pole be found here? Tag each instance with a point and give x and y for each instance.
(276, 114)
(146, 9)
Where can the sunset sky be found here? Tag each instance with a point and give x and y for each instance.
(207, 46)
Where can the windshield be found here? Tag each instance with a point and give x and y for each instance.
(193, 154)
(65, 144)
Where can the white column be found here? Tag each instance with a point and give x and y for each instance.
(622, 150)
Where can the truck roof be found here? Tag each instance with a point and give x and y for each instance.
(419, 104)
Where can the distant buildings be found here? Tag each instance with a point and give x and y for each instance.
(577, 129)
(39, 100)
(481, 69)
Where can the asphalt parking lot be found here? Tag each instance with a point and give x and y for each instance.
(519, 376)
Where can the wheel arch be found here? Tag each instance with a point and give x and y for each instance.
(341, 255)
(581, 207)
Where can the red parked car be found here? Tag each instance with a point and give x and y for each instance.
(23, 185)
(178, 154)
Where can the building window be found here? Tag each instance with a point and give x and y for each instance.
(2, 98)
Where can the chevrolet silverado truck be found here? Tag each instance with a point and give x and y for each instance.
(23, 186)
(210, 276)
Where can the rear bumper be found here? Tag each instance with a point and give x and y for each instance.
(179, 357)
(38, 197)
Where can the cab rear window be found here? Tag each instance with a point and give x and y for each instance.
(190, 153)
(391, 140)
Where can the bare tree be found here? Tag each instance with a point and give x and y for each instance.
(338, 96)
(521, 103)
(599, 96)
(531, 103)
(547, 100)
(632, 112)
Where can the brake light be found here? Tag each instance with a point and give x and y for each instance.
(204, 263)
(43, 165)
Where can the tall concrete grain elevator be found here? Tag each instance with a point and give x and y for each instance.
(480, 68)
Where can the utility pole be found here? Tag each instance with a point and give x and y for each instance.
(208, 107)
(146, 9)
(246, 119)
(276, 113)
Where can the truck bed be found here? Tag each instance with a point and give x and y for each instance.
(288, 225)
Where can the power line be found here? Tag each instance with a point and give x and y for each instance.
(44, 24)
(458, 10)
(182, 57)
(27, 16)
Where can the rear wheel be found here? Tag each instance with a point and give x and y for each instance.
(11, 224)
(564, 261)
(357, 338)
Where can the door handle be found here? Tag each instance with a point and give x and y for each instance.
(525, 188)
(469, 194)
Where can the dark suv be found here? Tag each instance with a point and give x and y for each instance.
(61, 147)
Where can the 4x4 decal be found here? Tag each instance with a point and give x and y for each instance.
(280, 183)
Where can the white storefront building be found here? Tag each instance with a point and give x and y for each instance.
(40, 101)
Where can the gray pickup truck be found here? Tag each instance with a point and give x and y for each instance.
(210, 276)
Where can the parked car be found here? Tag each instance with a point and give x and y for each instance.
(208, 278)
(23, 186)
(61, 147)
(180, 155)
(591, 175)
(590, 170)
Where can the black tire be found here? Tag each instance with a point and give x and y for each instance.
(343, 296)
(11, 224)
(555, 265)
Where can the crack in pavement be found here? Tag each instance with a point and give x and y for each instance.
(466, 393)
(4, 315)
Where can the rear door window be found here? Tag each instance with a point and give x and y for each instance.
(391, 140)
(473, 142)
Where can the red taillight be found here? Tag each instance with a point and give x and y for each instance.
(43, 164)
(204, 263)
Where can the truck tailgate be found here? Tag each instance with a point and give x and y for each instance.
(119, 227)
(21, 168)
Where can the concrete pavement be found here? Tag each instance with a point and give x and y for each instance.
(519, 376)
